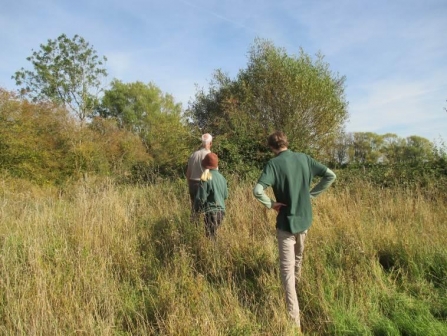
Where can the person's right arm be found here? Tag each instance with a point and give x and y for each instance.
(266, 180)
(259, 194)
(188, 171)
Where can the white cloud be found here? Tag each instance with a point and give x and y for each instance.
(407, 108)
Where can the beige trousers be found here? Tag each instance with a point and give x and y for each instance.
(291, 248)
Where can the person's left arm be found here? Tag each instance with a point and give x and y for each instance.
(326, 180)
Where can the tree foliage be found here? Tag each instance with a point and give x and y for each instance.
(276, 91)
(366, 148)
(32, 138)
(135, 127)
(65, 71)
(154, 116)
(44, 143)
(418, 149)
(339, 153)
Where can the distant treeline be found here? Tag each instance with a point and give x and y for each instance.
(46, 144)
(62, 123)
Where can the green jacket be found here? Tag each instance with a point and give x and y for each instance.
(290, 175)
(212, 194)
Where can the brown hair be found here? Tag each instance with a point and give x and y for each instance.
(277, 140)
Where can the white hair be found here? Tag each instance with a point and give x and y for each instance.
(207, 138)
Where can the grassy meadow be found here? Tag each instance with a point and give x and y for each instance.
(100, 258)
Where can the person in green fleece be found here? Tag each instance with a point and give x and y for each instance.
(211, 195)
(290, 175)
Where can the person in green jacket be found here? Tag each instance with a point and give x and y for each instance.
(211, 194)
(290, 175)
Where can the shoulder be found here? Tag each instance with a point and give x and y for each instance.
(317, 167)
(202, 152)
(271, 166)
(304, 157)
(301, 155)
(286, 156)
(307, 158)
(197, 153)
(216, 172)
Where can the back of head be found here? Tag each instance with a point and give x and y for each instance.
(206, 139)
(210, 161)
(277, 140)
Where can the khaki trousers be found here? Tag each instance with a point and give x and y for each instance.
(291, 248)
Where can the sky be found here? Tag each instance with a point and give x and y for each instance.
(393, 53)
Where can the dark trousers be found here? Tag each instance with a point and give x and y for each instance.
(193, 187)
(212, 222)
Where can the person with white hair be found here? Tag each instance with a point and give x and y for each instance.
(195, 170)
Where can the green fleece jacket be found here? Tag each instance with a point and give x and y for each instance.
(290, 175)
(212, 194)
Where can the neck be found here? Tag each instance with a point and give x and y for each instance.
(278, 151)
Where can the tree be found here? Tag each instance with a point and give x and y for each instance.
(44, 143)
(392, 148)
(339, 153)
(366, 147)
(66, 71)
(418, 149)
(410, 150)
(276, 91)
(145, 110)
(33, 138)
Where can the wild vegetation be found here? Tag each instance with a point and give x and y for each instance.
(99, 258)
(95, 228)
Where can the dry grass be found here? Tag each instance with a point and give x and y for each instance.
(96, 258)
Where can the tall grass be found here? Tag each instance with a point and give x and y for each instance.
(98, 258)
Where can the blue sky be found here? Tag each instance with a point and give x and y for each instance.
(393, 53)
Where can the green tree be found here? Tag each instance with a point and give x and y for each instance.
(418, 149)
(34, 139)
(366, 147)
(276, 91)
(155, 116)
(66, 71)
(120, 148)
(410, 150)
(44, 143)
(339, 152)
(440, 149)
(392, 148)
